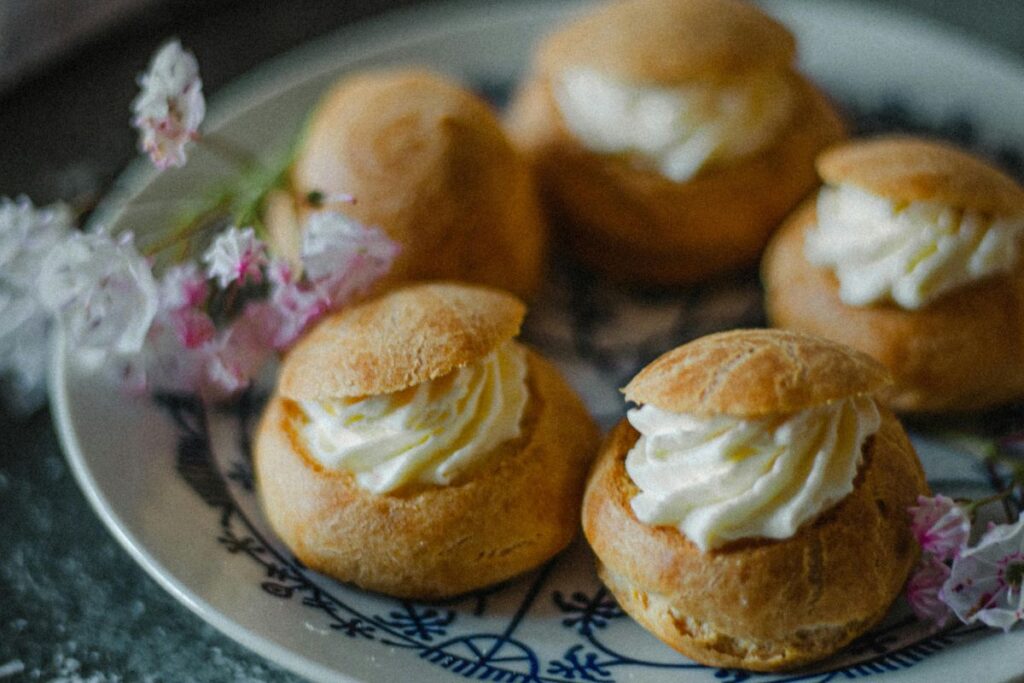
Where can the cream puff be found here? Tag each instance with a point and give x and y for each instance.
(751, 512)
(413, 447)
(670, 137)
(911, 253)
(428, 163)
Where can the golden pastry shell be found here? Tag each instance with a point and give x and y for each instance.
(960, 352)
(761, 604)
(429, 164)
(402, 338)
(669, 42)
(906, 169)
(510, 513)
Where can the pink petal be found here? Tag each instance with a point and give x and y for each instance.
(941, 527)
(236, 356)
(193, 328)
(923, 591)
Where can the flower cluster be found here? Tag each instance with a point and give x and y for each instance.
(207, 327)
(211, 330)
(27, 235)
(980, 583)
(170, 107)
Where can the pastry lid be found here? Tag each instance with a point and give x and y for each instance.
(754, 373)
(668, 42)
(405, 337)
(910, 169)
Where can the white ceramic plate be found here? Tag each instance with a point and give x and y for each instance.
(174, 485)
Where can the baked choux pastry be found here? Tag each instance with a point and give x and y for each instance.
(413, 447)
(429, 164)
(670, 137)
(911, 253)
(751, 512)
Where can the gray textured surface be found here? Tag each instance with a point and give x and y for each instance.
(73, 605)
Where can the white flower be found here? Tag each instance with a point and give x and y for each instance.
(26, 236)
(24, 326)
(332, 242)
(235, 255)
(102, 290)
(986, 581)
(343, 256)
(170, 107)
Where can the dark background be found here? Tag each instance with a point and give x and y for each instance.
(72, 603)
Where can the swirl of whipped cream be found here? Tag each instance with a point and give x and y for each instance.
(908, 253)
(428, 433)
(724, 478)
(681, 129)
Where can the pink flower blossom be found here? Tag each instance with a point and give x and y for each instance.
(280, 273)
(102, 290)
(940, 526)
(166, 364)
(291, 308)
(924, 591)
(215, 365)
(170, 108)
(236, 357)
(236, 255)
(343, 258)
(178, 345)
(183, 286)
(185, 352)
(985, 583)
(193, 327)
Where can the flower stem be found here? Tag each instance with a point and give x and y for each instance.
(239, 199)
(973, 506)
(191, 227)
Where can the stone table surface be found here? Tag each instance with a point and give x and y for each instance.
(73, 605)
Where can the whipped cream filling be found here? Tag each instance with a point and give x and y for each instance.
(907, 253)
(427, 434)
(678, 130)
(724, 478)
